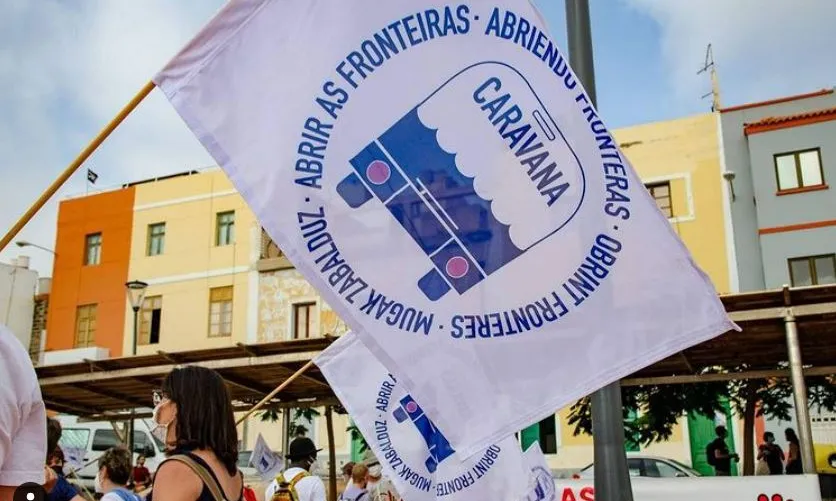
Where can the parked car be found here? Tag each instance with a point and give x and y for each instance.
(641, 465)
(90, 440)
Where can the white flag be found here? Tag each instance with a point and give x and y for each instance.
(267, 463)
(413, 452)
(543, 488)
(436, 171)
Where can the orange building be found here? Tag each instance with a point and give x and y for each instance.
(93, 248)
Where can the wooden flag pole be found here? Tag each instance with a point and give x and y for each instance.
(273, 393)
(75, 164)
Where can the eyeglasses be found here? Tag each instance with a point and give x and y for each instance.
(158, 396)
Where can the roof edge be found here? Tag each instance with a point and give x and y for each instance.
(821, 92)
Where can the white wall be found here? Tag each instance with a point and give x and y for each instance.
(18, 286)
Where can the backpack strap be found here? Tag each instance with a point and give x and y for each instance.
(299, 476)
(204, 475)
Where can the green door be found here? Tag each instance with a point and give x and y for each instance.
(530, 435)
(701, 432)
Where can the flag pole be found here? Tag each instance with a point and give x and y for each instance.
(612, 483)
(75, 164)
(273, 393)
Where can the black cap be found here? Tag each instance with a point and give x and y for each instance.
(301, 447)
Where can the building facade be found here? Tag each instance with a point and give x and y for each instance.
(18, 287)
(193, 242)
(780, 157)
(88, 302)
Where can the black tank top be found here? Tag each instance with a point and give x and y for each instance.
(205, 493)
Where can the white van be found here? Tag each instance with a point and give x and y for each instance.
(91, 440)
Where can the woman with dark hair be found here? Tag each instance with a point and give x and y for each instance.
(194, 419)
(793, 453)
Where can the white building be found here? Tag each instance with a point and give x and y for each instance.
(18, 286)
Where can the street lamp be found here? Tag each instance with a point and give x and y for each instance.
(24, 243)
(136, 293)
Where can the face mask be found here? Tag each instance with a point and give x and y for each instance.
(160, 430)
(98, 483)
(314, 468)
(770, 440)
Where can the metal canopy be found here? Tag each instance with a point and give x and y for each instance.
(110, 388)
(762, 344)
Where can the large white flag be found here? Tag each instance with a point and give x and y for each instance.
(437, 172)
(414, 453)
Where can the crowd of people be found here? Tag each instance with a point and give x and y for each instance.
(193, 417)
(771, 459)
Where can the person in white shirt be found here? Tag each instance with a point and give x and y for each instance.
(114, 473)
(302, 456)
(22, 419)
(380, 488)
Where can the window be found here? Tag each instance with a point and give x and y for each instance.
(220, 311)
(799, 169)
(156, 239)
(635, 467)
(548, 435)
(74, 438)
(85, 326)
(92, 249)
(813, 270)
(149, 320)
(661, 469)
(661, 192)
(303, 317)
(104, 440)
(225, 228)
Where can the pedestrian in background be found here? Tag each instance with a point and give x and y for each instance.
(770, 456)
(140, 476)
(356, 490)
(794, 466)
(61, 489)
(114, 474)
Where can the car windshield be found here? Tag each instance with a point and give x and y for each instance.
(686, 468)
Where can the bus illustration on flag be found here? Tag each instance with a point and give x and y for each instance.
(477, 174)
(438, 446)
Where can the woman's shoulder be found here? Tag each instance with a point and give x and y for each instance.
(176, 475)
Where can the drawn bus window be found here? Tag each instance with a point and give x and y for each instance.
(438, 446)
(474, 188)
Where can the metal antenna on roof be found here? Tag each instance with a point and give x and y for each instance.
(709, 66)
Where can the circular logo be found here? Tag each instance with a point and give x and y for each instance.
(457, 267)
(411, 407)
(378, 172)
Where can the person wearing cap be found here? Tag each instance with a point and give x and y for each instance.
(378, 487)
(302, 455)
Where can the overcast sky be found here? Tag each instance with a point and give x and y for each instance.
(67, 67)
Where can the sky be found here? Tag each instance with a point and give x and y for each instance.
(66, 68)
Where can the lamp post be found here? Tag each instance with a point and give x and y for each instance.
(136, 293)
(24, 243)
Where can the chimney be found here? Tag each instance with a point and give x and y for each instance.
(22, 262)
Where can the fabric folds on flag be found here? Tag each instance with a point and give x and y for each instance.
(438, 173)
(415, 455)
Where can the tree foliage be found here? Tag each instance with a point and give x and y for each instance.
(660, 407)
